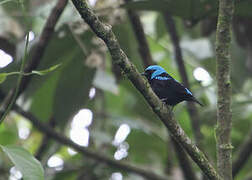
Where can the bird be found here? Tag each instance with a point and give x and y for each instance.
(168, 89)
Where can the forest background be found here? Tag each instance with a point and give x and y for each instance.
(83, 119)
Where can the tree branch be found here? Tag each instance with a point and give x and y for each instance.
(243, 155)
(145, 53)
(96, 156)
(194, 116)
(37, 53)
(184, 162)
(45, 141)
(143, 47)
(224, 121)
(119, 57)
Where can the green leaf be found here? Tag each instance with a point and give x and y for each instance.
(30, 167)
(127, 40)
(160, 27)
(44, 96)
(152, 144)
(3, 77)
(64, 92)
(72, 88)
(46, 71)
(8, 134)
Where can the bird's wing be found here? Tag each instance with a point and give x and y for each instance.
(178, 88)
(169, 88)
(172, 91)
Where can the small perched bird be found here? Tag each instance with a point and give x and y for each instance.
(166, 88)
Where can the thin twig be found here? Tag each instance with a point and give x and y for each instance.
(10, 100)
(104, 31)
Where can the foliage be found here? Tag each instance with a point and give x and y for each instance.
(86, 64)
(25, 162)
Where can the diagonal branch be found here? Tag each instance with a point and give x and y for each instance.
(119, 57)
(145, 53)
(50, 132)
(44, 40)
(45, 141)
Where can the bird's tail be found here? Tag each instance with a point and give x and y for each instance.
(195, 100)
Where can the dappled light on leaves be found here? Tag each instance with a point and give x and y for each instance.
(23, 132)
(79, 132)
(92, 93)
(55, 162)
(119, 141)
(31, 36)
(23, 129)
(200, 74)
(121, 134)
(82, 119)
(122, 151)
(15, 174)
(92, 2)
(5, 59)
(116, 176)
(71, 151)
(80, 136)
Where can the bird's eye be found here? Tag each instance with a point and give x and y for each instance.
(149, 72)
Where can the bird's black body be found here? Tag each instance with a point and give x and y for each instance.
(166, 88)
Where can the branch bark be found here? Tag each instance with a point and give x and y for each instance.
(145, 53)
(45, 141)
(38, 51)
(224, 122)
(194, 116)
(50, 132)
(104, 31)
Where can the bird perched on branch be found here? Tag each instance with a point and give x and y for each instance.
(166, 88)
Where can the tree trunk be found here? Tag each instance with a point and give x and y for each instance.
(224, 123)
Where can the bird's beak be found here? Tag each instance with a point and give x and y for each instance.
(143, 73)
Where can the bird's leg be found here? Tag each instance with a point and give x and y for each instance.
(163, 102)
(163, 99)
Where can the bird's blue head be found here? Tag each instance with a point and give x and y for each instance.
(154, 71)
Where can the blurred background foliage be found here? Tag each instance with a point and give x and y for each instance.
(96, 106)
